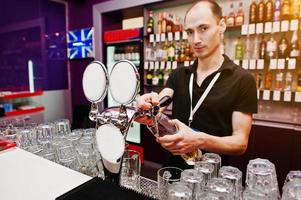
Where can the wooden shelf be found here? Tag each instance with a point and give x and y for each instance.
(17, 95)
(22, 112)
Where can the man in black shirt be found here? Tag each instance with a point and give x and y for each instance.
(222, 122)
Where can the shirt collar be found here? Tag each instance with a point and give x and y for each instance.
(228, 64)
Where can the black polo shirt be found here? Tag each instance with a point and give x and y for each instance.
(235, 90)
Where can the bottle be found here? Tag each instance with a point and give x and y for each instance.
(269, 10)
(239, 50)
(258, 79)
(165, 52)
(166, 75)
(288, 81)
(149, 76)
(240, 16)
(155, 80)
(256, 51)
(261, 11)
(159, 23)
(285, 9)
(271, 48)
(253, 11)
(182, 54)
(168, 23)
(295, 9)
(187, 53)
(279, 80)
(171, 52)
(231, 16)
(150, 23)
(268, 83)
(283, 47)
(262, 48)
(160, 77)
(159, 53)
(294, 50)
(277, 11)
(164, 22)
(249, 48)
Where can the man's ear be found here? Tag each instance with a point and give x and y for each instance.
(223, 26)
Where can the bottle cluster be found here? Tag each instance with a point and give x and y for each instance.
(128, 52)
(235, 17)
(269, 10)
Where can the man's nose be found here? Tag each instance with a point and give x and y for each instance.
(196, 38)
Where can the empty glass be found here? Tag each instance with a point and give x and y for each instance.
(194, 179)
(206, 168)
(75, 135)
(292, 190)
(45, 133)
(130, 170)
(222, 187)
(179, 191)
(165, 177)
(67, 156)
(214, 159)
(261, 176)
(62, 127)
(207, 195)
(293, 175)
(249, 194)
(235, 176)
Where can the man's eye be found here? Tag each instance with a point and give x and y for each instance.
(204, 29)
(189, 32)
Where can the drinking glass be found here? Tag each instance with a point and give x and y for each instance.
(165, 177)
(45, 133)
(214, 159)
(292, 190)
(179, 191)
(206, 168)
(130, 170)
(208, 195)
(62, 127)
(221, 186)
(250, 194)
(75, 135)
(67, 156)
(261, 176)
(293, 175)
(194, 180)
(234, 175)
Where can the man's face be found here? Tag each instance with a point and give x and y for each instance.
(204, 30)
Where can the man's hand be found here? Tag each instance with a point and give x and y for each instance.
(148, 100)
(184, 141)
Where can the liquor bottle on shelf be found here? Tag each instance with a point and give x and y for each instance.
(269, 10)
(277, 11)
(159, 23)
(168, 23)
(258, 78)
(239, 49)
(166, 75)
(182, 55)
(159, 53)
(288, 81)
(165, 52)
(178, 51)
(253, 12)
(249, 48)
(295, 9)
(240, 16)
(285, 9)
(187, 52)
(294, 50)
(164, 22)
(279, 80)
(231, 16)
(263, 48)
(150, 23)
(271, 47)
(261, 11)
(171, 52)
(283, 47)
(268, 83)
(148, 52)
(256, 51)
(155, 80)
(160, 77)
(149, 76)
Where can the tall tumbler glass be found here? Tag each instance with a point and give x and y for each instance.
(293, 175)
(214, 159)
(179, 191)
(261, 176)
(206, 168)
(292, 190)
(234, 175)
(194, 179)
(165, 177)
(221, 186)
(130, 170)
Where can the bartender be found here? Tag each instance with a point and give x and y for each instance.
(218, 119)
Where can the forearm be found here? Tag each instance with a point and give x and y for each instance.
(229, 145)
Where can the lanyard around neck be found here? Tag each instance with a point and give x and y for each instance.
(202, 98)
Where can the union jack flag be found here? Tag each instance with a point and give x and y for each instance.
(80, 43)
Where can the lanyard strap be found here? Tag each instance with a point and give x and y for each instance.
(202, 98)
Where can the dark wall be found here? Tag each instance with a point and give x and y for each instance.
(50, 65)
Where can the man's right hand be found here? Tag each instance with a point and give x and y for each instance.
(147, 101)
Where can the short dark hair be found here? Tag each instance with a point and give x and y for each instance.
(215, 8)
